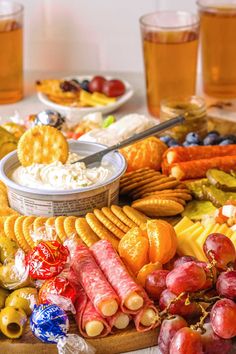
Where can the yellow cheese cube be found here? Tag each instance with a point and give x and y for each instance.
(183, 224)
(233, 238)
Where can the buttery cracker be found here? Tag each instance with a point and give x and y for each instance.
(108, 224)
(42, 144)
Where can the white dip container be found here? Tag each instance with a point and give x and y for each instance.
(38, 202)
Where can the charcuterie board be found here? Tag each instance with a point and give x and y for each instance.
(120, 342)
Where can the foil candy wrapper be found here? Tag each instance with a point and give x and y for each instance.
(47, 259)
(59, 291)
(50, 117)
(49, 323)
(74, 344)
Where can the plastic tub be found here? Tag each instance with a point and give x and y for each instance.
(38, 202)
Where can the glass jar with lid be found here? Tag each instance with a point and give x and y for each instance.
(193, 108)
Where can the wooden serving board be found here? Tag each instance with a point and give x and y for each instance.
(120, 342)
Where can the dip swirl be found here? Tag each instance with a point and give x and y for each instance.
(58, 176)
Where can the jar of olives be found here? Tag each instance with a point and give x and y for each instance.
(193, 108)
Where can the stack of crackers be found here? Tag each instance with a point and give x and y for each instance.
(153, 193)
(108, 223)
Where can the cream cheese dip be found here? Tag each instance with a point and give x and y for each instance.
(58, 176)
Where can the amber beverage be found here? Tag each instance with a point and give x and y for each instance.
(170, 44)
(11, 53)
(218, 44)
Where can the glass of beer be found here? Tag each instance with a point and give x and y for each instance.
(218, 47)
(11, 52)
(170, 45)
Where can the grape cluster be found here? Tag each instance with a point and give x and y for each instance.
(197, 300)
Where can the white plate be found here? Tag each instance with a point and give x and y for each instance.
(76, 112)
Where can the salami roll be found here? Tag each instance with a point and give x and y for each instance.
(89, 321)
(182, 154)
(130, 293)
(199, 168)
(147, 318)
(96, 286)
(120, 320)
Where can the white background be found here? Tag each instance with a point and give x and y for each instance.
(80, 35)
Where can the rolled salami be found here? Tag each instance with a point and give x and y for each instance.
(182, 153)
(96, 286)
(147, 318)
(130, 293)
(120, 320)
(89, 321)
(199, 168)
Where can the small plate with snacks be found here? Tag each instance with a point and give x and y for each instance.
(78, 95)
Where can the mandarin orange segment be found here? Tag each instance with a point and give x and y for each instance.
(146, 270)
(133, 249)
(162, 241)
(143, 228)
(145, 153)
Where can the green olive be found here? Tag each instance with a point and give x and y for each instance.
(12, 321)
(9, 279)
(3, 295)
(23, 298)
(8, 248)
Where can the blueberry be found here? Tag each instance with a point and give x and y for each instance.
(186, 143)
(213, 132)
(229, 137)
(172, 142)
(211, 140)
(85, 85)
(226, 142)
(192, 138)
(165, 138)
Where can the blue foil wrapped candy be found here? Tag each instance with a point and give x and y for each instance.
(49, 323)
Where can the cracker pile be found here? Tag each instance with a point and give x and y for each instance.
(153, 193)
(108, 223)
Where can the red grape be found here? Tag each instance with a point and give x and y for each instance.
(226, 284)
(184, 259)
(188, 277)
(211, 274)
(186, 341)
(178, 307)
(113, 88)
(96, 84)
(223, 318)
(220, 248)
(212, 344)
(168, 329)
(156, 283)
